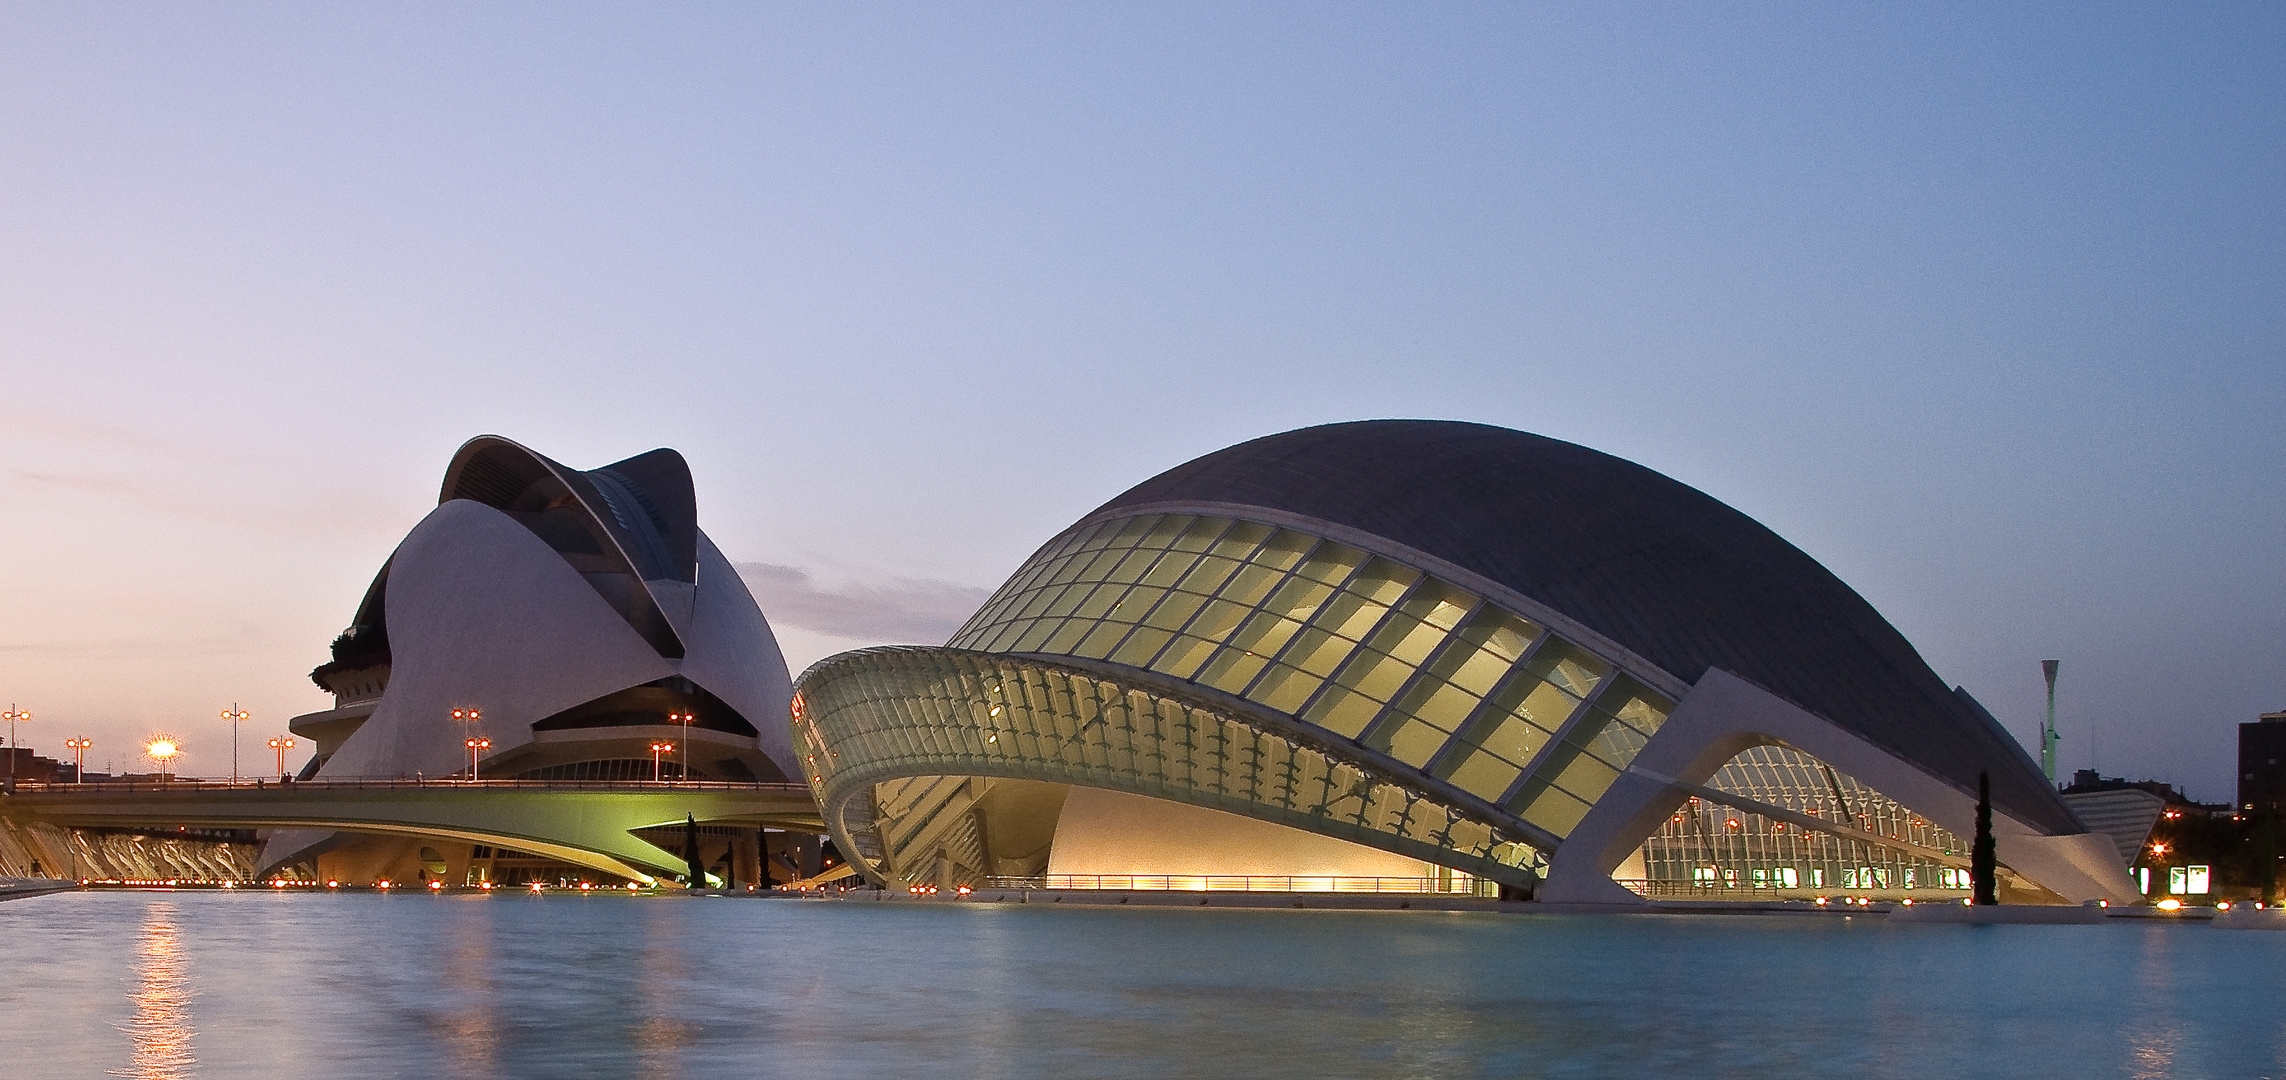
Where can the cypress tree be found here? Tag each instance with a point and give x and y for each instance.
(691, 852)
(1984, 860)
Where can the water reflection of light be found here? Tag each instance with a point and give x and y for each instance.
(472, 1029)
(160, 1030)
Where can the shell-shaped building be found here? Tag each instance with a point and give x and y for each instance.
(1447, 651)
(573, 612)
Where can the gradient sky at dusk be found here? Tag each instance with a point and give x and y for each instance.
(1984, 306)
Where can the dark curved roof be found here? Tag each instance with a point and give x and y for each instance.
(1660, 567)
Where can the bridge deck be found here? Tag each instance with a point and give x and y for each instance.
(587, 823)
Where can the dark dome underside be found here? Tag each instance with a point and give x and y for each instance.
(1659, 567)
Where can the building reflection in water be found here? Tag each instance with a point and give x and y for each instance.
(160, 1030)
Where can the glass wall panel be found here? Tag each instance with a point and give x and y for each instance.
(1707, 848)
(1413, 667)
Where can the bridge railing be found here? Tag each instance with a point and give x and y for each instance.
(115, 787)
(1461, 884)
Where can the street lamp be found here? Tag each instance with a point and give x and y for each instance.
(234, 714)
(685, 719)
(12, 715)
(78, 759)
(163, 750)
(474, 746)
(657, 749)
(281, 745)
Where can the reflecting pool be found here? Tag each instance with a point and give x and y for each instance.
(170, 985)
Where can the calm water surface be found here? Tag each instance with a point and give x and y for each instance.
(236, 985)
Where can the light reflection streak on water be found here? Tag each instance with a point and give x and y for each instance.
(159, 1032)
(659, 1034)
(472, 1031)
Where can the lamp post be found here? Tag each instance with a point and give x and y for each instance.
(476, 746)
(234, 714)
(281, 745)
(78, 759)
(470, 717)
(685, 719)
(162, 750)
(12, 715)
(657, 749)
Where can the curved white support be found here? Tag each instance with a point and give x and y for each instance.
(1723, 716)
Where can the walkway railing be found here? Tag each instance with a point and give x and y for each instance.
(114, 787)
(1461, 884)
(1690, 890)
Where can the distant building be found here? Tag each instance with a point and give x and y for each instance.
(2261, 749)
(20, 763)
(571, 620)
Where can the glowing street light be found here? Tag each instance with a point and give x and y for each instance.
(234, 714)
(78, 759)
(685, 719)
(476, 746)
(657, 749)
(164, 750)
(13, 715)
(281, 744)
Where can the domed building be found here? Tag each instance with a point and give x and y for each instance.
(1460, 656)
(569, 619)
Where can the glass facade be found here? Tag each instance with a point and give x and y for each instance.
(899, 742)
(1707, 847)
(1415, 669)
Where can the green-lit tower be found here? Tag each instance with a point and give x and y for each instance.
(2048, 736)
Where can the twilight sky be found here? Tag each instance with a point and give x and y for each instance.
(1985, 309)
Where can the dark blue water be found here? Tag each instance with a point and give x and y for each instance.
(356, 986)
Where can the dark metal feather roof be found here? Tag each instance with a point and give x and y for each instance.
(1656, 565)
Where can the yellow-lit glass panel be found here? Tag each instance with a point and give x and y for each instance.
(1175, 610)
(1218, 619)
(1414, 743)
(1251, 584)
(1241, 539)
(1099, 641)
(1383, 581)
(1438, 702)
(1547, 706)
(1318, 652)
(1184, 656)
(1440, 605)
(1635, 705)
(1067, 636)
(1343, 711)
(1297, 598)
(1331, 563)
(1284, 688)
(1132, 566)
(1408, 639)
(1567, 666)
(1514, 739)
(1555, 811)
(1035, 635)
(1207, 575)
(1284, 550)
(1140, 647)
(1375, 675)
(1484, 775)
(1582, 775)
(1349, 614)
(1200, 534)
(1263, 633)
(1231, 669)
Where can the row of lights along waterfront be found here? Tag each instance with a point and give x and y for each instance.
(163, 749)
